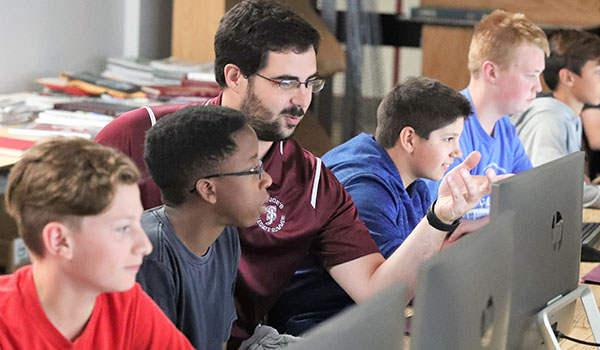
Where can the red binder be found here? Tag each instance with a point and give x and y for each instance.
(14, 147)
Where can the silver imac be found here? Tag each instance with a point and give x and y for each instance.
(523, 266)
(547, 205)
(462, 296)
(376, 323)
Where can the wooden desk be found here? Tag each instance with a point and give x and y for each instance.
(582, 326)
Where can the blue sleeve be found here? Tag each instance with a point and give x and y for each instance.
(158, 283)
(521, 160)
(381, 212)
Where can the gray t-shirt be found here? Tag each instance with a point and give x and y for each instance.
(195, 292)
(549, 129)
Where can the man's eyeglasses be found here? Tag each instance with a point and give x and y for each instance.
(315, 84)
(258, 170)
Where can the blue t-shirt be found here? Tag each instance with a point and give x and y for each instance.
(195, 292)
(502, 152)
(388, 209)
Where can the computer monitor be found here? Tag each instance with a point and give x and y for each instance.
(376, 323)
(547, 205)
(504, 274)
(462, 295)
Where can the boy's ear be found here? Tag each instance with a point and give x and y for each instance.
(489, 71)
(565, 77)
(406, 139)
(234, 78)
(207, 190)
(57, 239)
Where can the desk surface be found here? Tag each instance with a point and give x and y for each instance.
(582, 326)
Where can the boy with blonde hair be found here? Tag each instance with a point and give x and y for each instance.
(77, 207)
(552, 127)
(506, 58)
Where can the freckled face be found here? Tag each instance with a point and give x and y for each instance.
(519, 83)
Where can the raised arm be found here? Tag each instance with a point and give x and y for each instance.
(459, 192)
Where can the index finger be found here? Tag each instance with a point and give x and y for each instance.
(470, 161)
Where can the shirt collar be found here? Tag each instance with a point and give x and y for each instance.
(273, 161)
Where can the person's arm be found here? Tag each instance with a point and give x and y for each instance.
(544, 137)
(591, 126)
(591, 196)
(466, 227)
(386, 218)
(459, 192)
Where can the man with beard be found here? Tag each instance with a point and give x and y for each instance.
(266, 65)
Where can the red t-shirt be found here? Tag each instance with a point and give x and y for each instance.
(309, 212)
(126, 320)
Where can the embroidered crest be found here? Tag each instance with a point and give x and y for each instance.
(273, 220)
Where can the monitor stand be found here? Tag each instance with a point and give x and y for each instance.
(589, 305)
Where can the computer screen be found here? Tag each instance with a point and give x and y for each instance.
(376, 323)
(486, 291)
(547, 206)
(462, 295)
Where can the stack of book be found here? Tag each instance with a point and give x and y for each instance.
(136, 70)
(168, 80)
(96, 84)
(147, 72)
(83, 119)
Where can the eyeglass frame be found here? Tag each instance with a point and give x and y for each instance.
(279, 83)
(252, 171)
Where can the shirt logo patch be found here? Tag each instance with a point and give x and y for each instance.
(273, 220)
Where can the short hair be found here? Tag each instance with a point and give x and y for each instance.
(498, 34)
(187, 145)
(570, 49)
(422, 103)
(252, 28)
(64, 179)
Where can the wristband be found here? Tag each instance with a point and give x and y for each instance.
(437, 223)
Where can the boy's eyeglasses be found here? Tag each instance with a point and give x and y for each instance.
(316, 84)
(258, 170)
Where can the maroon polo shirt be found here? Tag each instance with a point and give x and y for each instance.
(309, 212)
(127, 133)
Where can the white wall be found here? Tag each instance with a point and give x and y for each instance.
(41, 38)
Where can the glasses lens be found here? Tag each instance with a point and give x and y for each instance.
(259, 168)
(317, 84)
(289, 84)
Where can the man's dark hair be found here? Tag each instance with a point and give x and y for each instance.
(422, 103)
(570, 49)
(252, 28)
(187, 145)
